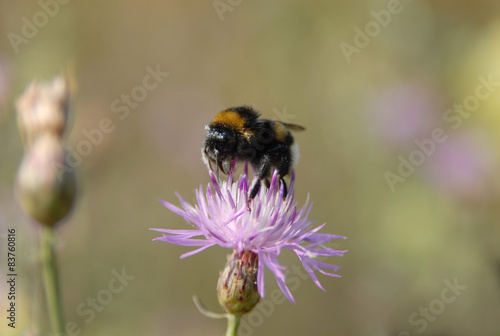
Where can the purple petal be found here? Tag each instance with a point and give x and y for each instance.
(188, 254)
(179, 232)
(329, 274)
(321, 238)
(173, 208)
(183, 241)
(305, 262)
(292, 182)
(320, 265)
(260, 275)
(275, 267)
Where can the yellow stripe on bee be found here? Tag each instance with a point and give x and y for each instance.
(280, 131)
(230, 118)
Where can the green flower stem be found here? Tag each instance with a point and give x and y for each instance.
(233, 323)
(51, 280)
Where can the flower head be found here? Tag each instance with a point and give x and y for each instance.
(222, 217)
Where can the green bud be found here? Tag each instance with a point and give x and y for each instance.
(45, 189)
(237, 286)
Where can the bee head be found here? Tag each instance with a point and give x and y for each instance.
(220, 147)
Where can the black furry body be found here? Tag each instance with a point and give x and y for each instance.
(239, 133)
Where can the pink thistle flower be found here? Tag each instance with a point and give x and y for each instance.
(222, 218)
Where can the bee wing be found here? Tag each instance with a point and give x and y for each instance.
(293, 127)
(290, 127)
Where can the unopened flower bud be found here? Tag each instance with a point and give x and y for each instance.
(43, 107)
(237, 286)
(45, 189)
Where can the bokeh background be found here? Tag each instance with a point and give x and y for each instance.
(363, 108)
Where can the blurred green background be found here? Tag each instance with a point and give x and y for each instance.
(366, 90)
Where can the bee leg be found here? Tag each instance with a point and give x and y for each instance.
(263, 169)
(284, 169)
(255, 190)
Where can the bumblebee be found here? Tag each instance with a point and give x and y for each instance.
(238, 133)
